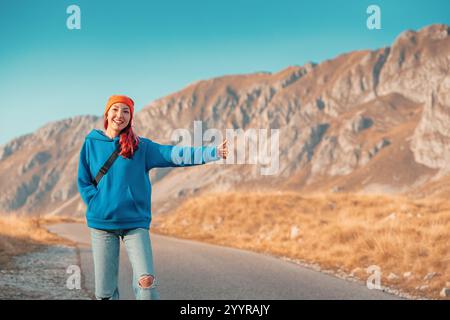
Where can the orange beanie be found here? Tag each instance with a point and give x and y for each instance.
(118, 98)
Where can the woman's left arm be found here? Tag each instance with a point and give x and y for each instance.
(161, 156)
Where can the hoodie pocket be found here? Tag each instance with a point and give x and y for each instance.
(89, 206)
(140, 199)
(120, 206)
(117, 204)
(130, 195)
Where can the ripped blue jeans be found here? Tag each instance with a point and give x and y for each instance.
(106, 249)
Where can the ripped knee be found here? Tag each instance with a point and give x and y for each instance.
(147, 281)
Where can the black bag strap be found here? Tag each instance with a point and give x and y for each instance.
(106, 166)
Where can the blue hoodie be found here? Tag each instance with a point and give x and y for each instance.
(122, 199)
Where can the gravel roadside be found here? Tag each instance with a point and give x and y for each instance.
(45, 274)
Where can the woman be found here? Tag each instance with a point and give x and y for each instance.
(119, 206)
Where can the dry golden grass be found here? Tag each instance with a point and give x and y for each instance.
(22, 234)
(336, 231)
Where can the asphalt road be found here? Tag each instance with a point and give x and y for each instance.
(190, 270)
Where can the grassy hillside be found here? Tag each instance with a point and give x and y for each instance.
(21, 234)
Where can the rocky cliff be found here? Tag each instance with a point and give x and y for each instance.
(365, 121)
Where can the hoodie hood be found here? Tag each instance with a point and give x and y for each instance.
(97, 134)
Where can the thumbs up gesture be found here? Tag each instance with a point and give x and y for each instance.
(222, 149)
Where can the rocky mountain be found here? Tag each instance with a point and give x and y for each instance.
(365, 121)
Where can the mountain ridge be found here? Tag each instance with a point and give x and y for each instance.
(364, 121)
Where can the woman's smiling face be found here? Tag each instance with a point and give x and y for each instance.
(119, 116)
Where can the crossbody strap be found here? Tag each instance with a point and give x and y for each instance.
(106, 166)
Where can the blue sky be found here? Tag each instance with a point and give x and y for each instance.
(148, 49)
